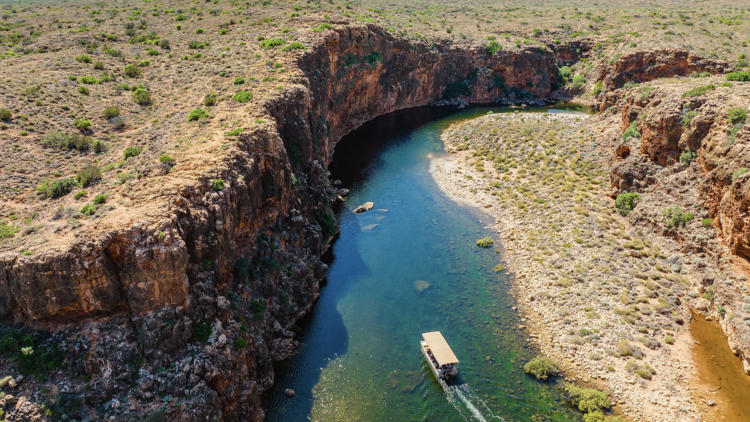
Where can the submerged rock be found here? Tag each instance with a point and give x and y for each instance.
(422, 285)
(289, 392)
(367, 206)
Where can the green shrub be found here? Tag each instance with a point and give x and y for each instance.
(296, 45)
(493, 48)
(625, 202)
(737, 115)
(485, 242)
(83, 58)
(587, 400)
(100, 199)
(234, 132)
(272, 43)
(87, 175)
(152, 52)
(144, 63)
(598, 88)
(239, 80)
(631, 132)
(55, 189)
(88, 80)
(98, 65)
(167, 159)
(726, 85)
(201, 333)
(675, 217)
(111, 112)
(707, 222)
(736, 175)
(180, 18)
(698, 91)
(687, 157)
(243, 96)
(66, 141)
(223, 31)
(542, 368)
(257, 307)
(322, 27)
(578, 82)
(244, 270)
(83, 90)
(5, 114)
(37, 353)
(669, 340)
(141, 96)
(738, 76)
(197, 114)
(131, 152)
(199, 31)
(240, 344)
(328, 225)
(82, 124)
(131, 71)
(210, 100)
(80, 194)
(7, 230)
(88, 209)
(217, 184)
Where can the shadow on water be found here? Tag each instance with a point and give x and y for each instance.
(359, 357)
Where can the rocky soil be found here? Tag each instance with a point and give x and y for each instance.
(603, 294)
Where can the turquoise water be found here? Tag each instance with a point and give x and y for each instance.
(359, 358)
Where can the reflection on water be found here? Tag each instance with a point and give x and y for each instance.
(359, 358)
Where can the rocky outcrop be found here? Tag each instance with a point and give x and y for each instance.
(644, 66)
(193, 292)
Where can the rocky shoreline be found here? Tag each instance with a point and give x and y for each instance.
(605, 299)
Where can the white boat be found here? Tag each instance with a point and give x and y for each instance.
(439, 356)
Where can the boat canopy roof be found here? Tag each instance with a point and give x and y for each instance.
(439, 347)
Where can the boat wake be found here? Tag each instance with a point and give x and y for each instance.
(468, 404)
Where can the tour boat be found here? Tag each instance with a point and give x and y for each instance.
(439, 356)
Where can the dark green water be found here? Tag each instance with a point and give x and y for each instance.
(359, 358)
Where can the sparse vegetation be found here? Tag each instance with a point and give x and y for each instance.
(197, 114)
(542, 368)
(485, 242)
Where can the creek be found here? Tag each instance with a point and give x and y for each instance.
(359, 357)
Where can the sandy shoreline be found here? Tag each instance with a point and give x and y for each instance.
(553, 308)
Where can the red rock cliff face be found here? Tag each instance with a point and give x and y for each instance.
(644, 66)
(246, 256)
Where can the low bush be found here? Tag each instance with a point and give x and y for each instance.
(234, 132)
(7, 230)
(625, 202)
(80, 194)
(141, 96)
(87, 175)
(272, 43)
(98, 65)
(631, 132)
(296, 45)
(674, 217)
(707, 222)
(111, 112)
(210, 100)
(197, 114)
(83, 90)
(56, 189)
(66, 141)
(737, 115)
(88, 209)
(322, 26)
(737, 174)
(669, 340)
(578, 83)
(240, 344)
(152, 52)
(5, 114)
(542, 368)
(239, 80)
(201, 333)
(131, 152)
(485, 242)
(83, 58)
(100, 199)
(687, 157)
(493, 47)
(328, 225)
(88, 80)
(587, 400)
(698, 91)
(131, 71)
(738, 76)
(82, 124)
(217, 184)
(243, 96)
(598, 88)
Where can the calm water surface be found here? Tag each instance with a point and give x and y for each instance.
(359, 358)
